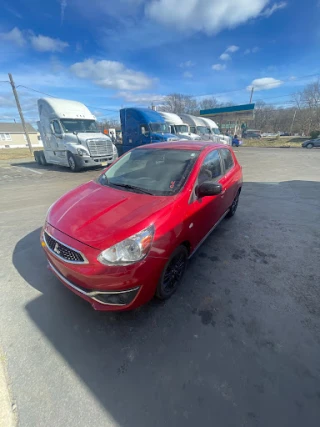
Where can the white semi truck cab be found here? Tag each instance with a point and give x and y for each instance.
(71, 137)
(178, 127)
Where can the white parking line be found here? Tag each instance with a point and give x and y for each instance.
(28, 169)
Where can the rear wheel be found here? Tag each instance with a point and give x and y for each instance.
(233, 207)
(42, 158)
(310, 145)
(72, 163)
(173, 273)
(37, 157)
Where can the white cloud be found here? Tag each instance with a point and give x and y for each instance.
(187, 64)
(63, 5)
(219, 67)
(232, 49)
(141, 98)
(6, 101)
(210, 16)
(47, 44)
(112, 74)
(15, 36)
(252, 50)
(187, 75)
(265, 83)
(276, 6)
(292, 78)
(225, 57)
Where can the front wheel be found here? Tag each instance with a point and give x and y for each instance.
(309, 145)
(72, 163)
(234, 206)
(173, 273)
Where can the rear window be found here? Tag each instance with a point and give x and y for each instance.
(226, 159)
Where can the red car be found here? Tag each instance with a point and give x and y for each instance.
(127, 236)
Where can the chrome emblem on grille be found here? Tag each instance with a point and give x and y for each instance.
(56, 248)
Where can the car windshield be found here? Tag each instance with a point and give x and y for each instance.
(182, 129)
(203, 130)
(77, 125)
(160, 127)
(153, 171)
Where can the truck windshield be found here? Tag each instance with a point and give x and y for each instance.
(160, 172)
(182, 128)
(203, 130)
(160, 127)
(215, 131)
(78, 125)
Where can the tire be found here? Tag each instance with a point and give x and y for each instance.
(37, 157)
(310, 145)
(72, 162)
(233, 207)
(173, 273)
(42, 159)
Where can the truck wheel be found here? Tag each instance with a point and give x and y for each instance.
(72, 163)
(42, 159)
(37, 157)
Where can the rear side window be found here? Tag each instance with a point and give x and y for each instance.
(211, 167)
(226, 159)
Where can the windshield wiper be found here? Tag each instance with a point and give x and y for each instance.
(131, 187)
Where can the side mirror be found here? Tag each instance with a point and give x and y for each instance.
(208, 188)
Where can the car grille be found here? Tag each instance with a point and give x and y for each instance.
(100, 147)
(63, 251)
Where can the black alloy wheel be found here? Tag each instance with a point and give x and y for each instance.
(173, 273)
(234, 206)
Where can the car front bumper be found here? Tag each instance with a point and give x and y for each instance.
(106, 288)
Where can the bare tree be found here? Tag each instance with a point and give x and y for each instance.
(178, 103)
(208, 103)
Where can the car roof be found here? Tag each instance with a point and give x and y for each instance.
(182, 145)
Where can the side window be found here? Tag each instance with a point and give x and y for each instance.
(56, 127)
(211, 167)
(144, 130)
(227, 159)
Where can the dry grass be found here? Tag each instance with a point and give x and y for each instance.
(290, 141)
(14, 153)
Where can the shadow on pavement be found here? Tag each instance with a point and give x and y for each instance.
(237, 345)
(33, 165)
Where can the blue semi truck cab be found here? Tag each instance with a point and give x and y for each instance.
(142, 126)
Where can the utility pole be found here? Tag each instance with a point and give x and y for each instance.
(20, 112)
(251, 95)
(294, 117)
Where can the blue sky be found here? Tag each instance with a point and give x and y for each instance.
(110, 54)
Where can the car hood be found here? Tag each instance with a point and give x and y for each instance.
(101, 216)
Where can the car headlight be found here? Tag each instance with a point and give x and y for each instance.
(82, 152)
(129, 251)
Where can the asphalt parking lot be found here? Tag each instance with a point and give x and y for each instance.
(237, 345)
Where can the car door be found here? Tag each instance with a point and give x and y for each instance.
(317, 142)
(228, 180)
(204, 213)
